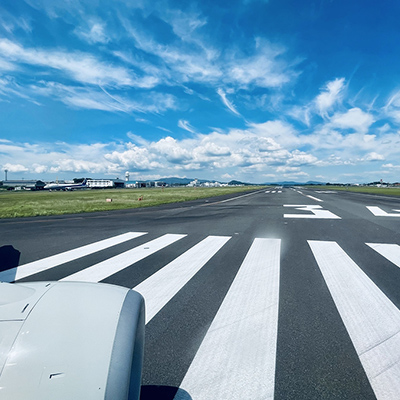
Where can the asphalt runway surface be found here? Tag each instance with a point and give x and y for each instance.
(285, 293)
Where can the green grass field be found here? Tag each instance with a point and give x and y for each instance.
(362, 189)
(27, 203)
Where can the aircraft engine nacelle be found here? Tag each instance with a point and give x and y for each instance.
(70, 340)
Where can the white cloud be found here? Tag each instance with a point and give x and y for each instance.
(186, 126)
(99, 99)
(195, 59)
(390, 165)
(81, 67)
(14, 167)
(10, 23)
(373, 156)
(56, 158)
(172, 150)
(354, 118)
(184, 24)
(231, 107)
(332, 94)
(252, 150)
(278, 133)
(93, 33)
(392, 108)
(260, 69)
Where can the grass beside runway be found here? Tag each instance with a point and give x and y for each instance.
(361, 189)
(28, 204)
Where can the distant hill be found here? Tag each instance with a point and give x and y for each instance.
(175, 181)
(184, 181)
(239, 183)
(293, 183)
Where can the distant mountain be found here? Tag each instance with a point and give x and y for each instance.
(181, 181)
(184, 181)
(293, 183)
(315, 183)
(175, 181)
(239, 183)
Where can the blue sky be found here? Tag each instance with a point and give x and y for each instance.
(251, 90)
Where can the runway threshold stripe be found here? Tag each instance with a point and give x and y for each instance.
(371, 319)
(389, 251)
(236, 359)
(159, 288)
(104, 269)
(34, 267)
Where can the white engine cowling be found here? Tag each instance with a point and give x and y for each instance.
(70, 340)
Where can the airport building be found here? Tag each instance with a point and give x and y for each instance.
(23, 184)
(105, 183)
(144, 184)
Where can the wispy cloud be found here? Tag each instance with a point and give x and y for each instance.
(186, 126)
(94, 32)
(97, 98)
(331, 94)
(228, 104)
(81, 67)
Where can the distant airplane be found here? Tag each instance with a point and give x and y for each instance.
(66, 186)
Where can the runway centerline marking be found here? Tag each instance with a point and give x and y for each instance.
(316, 212)
(371, 319)
(237, 357)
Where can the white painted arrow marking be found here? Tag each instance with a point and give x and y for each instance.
(316, 210)
(378, 212)
(389, 251)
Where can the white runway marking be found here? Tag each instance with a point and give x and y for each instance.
(159, 288)
(313, 198)
(389, 251)
(316, 210)
(34, 267)
(236, 359)
(378, 212)
(106, 268)
(371, 319)
(237, 197)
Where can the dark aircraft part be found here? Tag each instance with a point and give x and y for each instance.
(70, 340)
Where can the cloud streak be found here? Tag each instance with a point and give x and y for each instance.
(228, 104)
(81, 67)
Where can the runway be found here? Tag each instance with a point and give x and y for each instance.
(286, 293)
